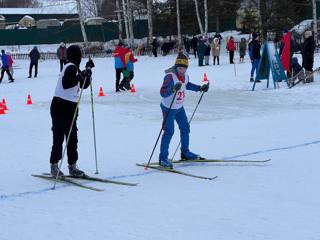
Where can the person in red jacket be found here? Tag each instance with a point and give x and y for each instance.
(231, 47)
(10, 63)
(119, 63)
(129, 73)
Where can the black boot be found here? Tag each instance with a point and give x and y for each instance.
(74, 171)
(54, 170)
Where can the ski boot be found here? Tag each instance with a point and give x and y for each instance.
(185, 156)
(74, 171)
(54, 170)
(165, 163)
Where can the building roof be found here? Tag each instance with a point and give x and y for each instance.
(49, 8)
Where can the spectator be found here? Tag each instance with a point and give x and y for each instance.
(216, 51)
(242, 49)
(5, 66)
(62, 55)
(231, 47)
(201, 51)
(207, 52)
(308, 55)
(187, 44)
(10, 63)
(34, 56)
(194, 45)
(218, 35)
(155, 46)
(254, 53)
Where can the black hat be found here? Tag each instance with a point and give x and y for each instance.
(255, 35)
(74, 54)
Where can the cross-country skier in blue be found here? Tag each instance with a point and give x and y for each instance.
(176, 81)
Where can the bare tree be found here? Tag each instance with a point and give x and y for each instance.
(178, 22)
(263, 17)
(315, 25)
(83, 30)
(198, 16)
(119, 19)
(125, 17)
(130, 21)
(205, 16)
(150, 24)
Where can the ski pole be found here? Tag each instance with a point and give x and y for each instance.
(94, 131)
(175, 152)
(69, 134)
(163, 124)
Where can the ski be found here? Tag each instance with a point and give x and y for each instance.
(95, 179)
(176, 171)
(214, 161)
(66, 180)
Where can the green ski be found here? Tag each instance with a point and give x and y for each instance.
(66, 180)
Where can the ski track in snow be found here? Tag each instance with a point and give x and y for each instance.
(61, 185)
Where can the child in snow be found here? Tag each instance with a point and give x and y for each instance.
(119, 64)
(63, 107)
(129, 73)
(175, 83)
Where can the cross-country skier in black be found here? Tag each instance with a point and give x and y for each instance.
(63, 107)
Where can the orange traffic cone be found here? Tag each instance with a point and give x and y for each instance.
(2, 111)
(101, 93)
(133, 90)
(29, 101)
(205, 78)
(4, 104)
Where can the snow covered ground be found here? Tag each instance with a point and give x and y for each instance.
(278, 200)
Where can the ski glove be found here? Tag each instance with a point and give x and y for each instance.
(90, 64)
(86, 73)
(177, 87)
(204, 87)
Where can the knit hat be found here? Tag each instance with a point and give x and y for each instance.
(74, 54)
(255, 35)
(182, 61)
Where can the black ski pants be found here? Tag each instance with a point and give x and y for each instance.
(62, 112)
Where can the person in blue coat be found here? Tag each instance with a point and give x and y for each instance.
(175, 84)
(254, 53)
(5, 66)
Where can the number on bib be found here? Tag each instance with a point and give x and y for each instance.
(180, 96)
